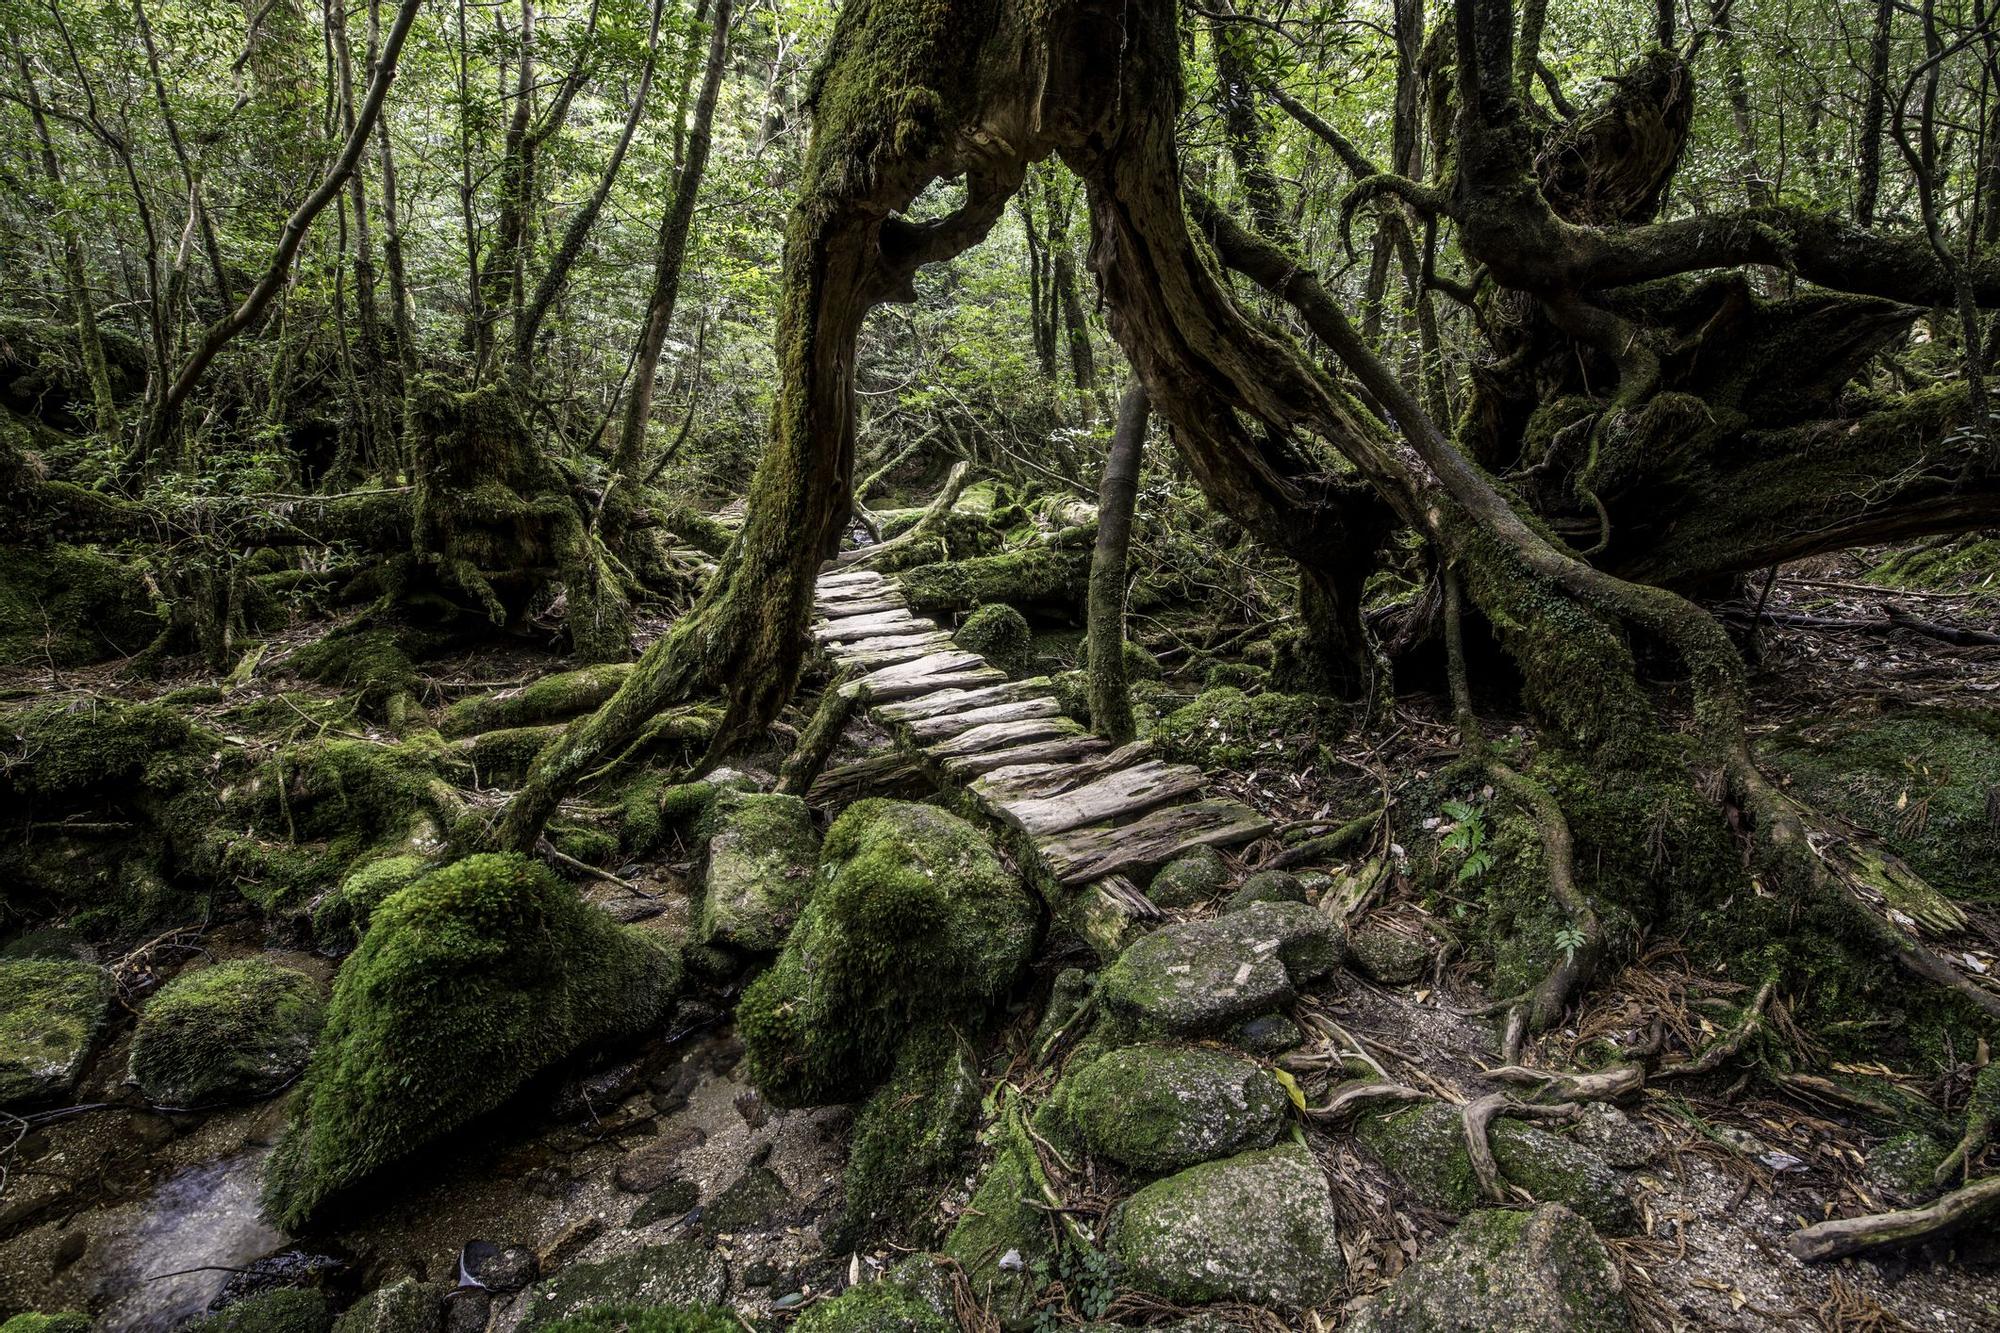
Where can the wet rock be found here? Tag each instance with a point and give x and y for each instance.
(1202, 978)
(292, 1267)
(683, 1272)
(755, 1201)
(407, 1307)
(1388, 955)
(672, 1087)
(586, 1095)
(497, 1267)
(1163, 1108)
(469, 1310)
(675, 1199)
(752, 1108)
(762, 852)
(1193, 877)
(1268, 886)
(569, 1243)
(51, 1010)
(1258, 1227)
(1424, 1147)
(1507, 1272)
(646, 1169)
(233, 1032)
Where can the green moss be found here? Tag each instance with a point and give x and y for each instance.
(468, 983)
(342, 916)
(1000, 634)
(408, 1306)
(232, 1032)
(337, 787)
(503, 757)
(1036, 576)
(761, 853)
(1190, 878)
(649, 1319)
(548, 699)
(1907, 1163)
(1162, 1108)
(372, 662)
(1941, 563)
(877, 1308)
(586, 843)
(684, 1276)
(1227, 729)
(909, 1138)
(103, 747)
(913, 918)
(47, 1323)
(1007, 1214)
(287, 1310)
(51, 1010)
(69, 606)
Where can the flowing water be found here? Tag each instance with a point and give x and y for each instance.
(201, 1223)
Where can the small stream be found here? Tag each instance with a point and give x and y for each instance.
(206, 1219)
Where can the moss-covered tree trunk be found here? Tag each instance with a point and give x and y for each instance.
(1117, 498)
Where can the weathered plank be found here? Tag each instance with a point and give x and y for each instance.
(859, 606)
(889, 652)
(950, 724)
(849, 578)
(871, 627)
(1033, 781)
(938, 671)
(1003, 736)
(951, 701)
(1117, 795)
(932, 639)
(1061, 750)
(1092, 853)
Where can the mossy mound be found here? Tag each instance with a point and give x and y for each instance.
(877, 1308)
(69, 606)
(51, 1010)
(550, 698)
(1258, 1227)
(1000, 634)
(762, 849)
(1006, 1218)
(1424, 1147)
(1039, 576)
(1267, 886)
(468, 983)
(1508, 1272)
(914, 918)
(408, 1306)
(286, 1310)
(1190, 878)
(1228, 729)
(649, 1319)
(47, 1323)
(684, 1278)
(1161, 1108)
(341, 918)
(909, 1136)
(233, 1032)
(104, 747)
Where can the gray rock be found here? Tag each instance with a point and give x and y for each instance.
(1268, 886)
(499, 1267)
(762, 852)
(408, 1306)
(1190, 878)
(1202, 978)
(1268, 1035)
(1306, 942)
(1392, 957)
(1164, 1108)
(51, 1010)
(1259, 1227)
(1507, 1272)
(1616, 1137)
(1424, 1147)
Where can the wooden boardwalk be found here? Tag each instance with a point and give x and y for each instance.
(1081, 816)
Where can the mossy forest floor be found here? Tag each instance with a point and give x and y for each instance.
(656, 1167)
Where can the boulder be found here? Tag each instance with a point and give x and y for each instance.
(1390, 956)
(285, 1310)
(1543, 1271)
(914, 919)
(910, 1136)
(1268, 886)
(1164, 1108)
(51, 1010)
(1424, 1147)
(1190, 878)
(1258, 1227)
(408, 1306)
(1202, 978)
(1000, 634)
(685, 1272)
(761, 853)
(233, 1032)
(468, 983)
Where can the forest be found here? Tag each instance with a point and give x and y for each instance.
(958, 666)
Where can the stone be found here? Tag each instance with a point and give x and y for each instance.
(408, 1306)
(1306, 942)
(1258, 1227)
(51, 1010)
(499, 1267)
(682, 1272)
(1203, 978)
(1268, 886)
(1424, 1147)
(755, 1201)
(1904, 1164)
(234, 1032)
(1269, 1035)
(1190, 878)
(1389, 956)
(1502, 1271)
(1615, 1136)
(762, 852)
(1163, 1108)
(675, 1199)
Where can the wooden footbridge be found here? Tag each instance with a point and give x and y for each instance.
(1081, 816)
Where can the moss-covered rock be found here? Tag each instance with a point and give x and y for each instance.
(914, 918)
(1905, 1164)
(1390, 955)
(236, 1031)
(1190, 878)
(1006, 1234)
(51, 1010)
(1039, 576)
(1000, 634)
(1228, 729)
(341, 918)
(1424, 1147)
(1258, 1227)
(468, 983)
(286, 1310)
(1201, 978)
(879, 1307)
(649, 1319)
(683, 1273)
(1163, 1108)
(47, 1323)
(762, 849)
(68, 606)
(408, 1306)
(1267, 886)
(909, 1137)
(550, 698)
(1507, 1272)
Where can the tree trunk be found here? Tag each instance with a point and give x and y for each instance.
(1874, 116)
(1110, 699)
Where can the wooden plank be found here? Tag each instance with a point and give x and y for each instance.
(1092, 853)
(1033, 781)
(871, 627)
(849, 578)
(1060, 750)
(949, 701)
(947, 662)
(922, 685)
(860, 606)
(1117, 795)
(1003, 736)
(874, 659)
(950, 724)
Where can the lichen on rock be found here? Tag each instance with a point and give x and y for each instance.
(1501, 1271)
(1190, 878)
(762, 849)
(51, 1010)
(1161, 1108)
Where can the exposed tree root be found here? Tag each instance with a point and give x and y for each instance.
(1478, 1117)
(1855, 1235)
(807, 760)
